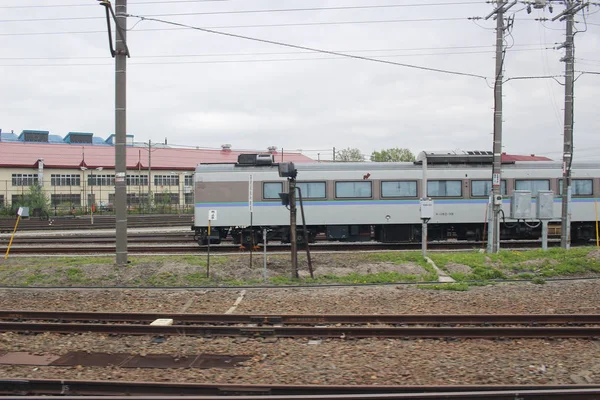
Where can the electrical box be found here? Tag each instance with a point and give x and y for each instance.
(520, 204)
(497, 199)
(426, 209)
(545, 204)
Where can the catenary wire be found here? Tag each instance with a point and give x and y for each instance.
(273, 53)
(277, 43)
(271, 10)
(182, 1)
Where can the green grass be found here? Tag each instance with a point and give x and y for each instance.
(514, 264)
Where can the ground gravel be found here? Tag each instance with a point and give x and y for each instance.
(288, 361)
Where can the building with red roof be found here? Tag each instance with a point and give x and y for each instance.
(80, 164)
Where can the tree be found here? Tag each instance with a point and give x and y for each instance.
(349, 155)
(395, 154)
(35, 198)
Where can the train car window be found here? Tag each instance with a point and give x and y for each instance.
(533, 185)
(312, 190)
(483, 188)
(347, 190)
(579, 187)
(399, 189)
(271, 190)
(444, 188)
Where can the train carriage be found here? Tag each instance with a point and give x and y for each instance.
(380, 201)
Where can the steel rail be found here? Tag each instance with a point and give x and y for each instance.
(193, 248)
(558, 394)
(306, 332)
(307, 319)
(91, 388)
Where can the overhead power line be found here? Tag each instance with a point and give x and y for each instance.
(445, 53)
(264, 11)
(95, 4)
(204, 1)
(248, 26)
(335, 53)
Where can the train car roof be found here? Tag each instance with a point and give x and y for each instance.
(353, 166)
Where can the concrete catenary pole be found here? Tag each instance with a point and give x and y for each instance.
(120, 133)
(493, 237)
(565, 223)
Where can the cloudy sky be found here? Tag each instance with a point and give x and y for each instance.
(203, 89)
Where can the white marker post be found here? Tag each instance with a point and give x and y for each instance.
(212, 216)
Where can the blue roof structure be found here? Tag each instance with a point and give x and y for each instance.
(58, 139)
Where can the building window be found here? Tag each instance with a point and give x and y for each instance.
(533, 186)
(484, 188)
(579, 187)
(24, 179)
(189, 198)
(348, 190)
(444, 188)
(137, 180)
(188, 180)
(62, 199)
(399, 189)
(101, 180)
(312, 190)
(65, 180)
(271, 190)
(166, 180)
(166, 198)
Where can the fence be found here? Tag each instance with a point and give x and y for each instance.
(80, 198)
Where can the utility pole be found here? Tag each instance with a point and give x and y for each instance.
(494, 231)
(121, 54)
(293, 231)
(565, 221)
(149, 173)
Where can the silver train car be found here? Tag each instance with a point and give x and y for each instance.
(380, 201)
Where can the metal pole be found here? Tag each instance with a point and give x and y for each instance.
(424, 221)
(208, 252)
(293, 241)
(93, 199)
(120, 133)
(265, 253)
(310, 269)
(565, 220)
(493, 242)
(597, 236)
(149, 173)
(544, 234)
(334, 154)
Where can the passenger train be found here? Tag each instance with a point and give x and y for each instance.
(380, 201)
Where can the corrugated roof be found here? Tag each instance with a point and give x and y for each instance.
(20, 154)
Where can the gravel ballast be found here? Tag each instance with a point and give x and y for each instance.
(297, 361)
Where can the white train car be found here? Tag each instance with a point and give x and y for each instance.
(364, 201)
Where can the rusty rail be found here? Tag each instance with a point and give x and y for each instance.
(307, 319)
(111, 388)
(304, 332)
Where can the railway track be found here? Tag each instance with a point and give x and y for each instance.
(128, 390)
(186, 245)
(100, 222)
(321, 326)
(307, 319)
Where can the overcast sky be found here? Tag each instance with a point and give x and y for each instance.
(202, 89)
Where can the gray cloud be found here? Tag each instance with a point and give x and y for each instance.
(312, 104)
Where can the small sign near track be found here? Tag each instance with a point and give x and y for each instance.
(212, 215)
